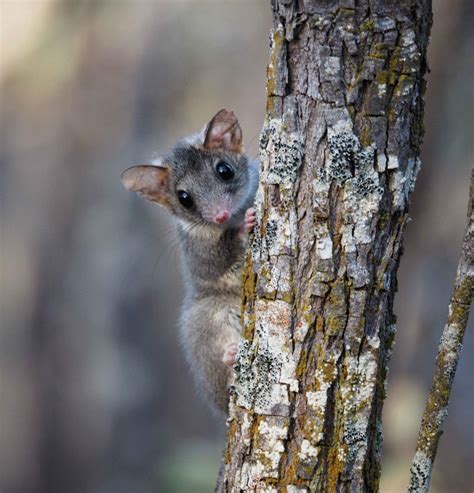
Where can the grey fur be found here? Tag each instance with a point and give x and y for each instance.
(213, 254)
(212, 267)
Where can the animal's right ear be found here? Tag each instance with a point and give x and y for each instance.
(223, 132)
(150, 182)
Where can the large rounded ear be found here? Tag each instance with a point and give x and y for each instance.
(223, 132)
(150, 182)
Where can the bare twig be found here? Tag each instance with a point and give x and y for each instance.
(447, 359)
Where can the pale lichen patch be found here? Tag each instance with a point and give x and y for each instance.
(350, 163)
(347, 238)
(449, 339)
(323, 241)
(397, 186)
(281, 153)
(270, 436)
(276, 277)
(288, 372)
(275, 238)
(382, 90)
(256, 371)
(317, 399)
(420, 473)
(342, 149)
(245, 432)
(381, 162)
(308, 451)
(272, 433)
(338, 120)
(352, 167)
(295, 489)
(265, 369)
(357, 390)
(392, 161)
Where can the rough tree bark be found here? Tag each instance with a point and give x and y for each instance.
(339, 158)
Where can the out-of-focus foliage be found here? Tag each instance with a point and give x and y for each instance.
(95, 394)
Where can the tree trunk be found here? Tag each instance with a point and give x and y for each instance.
(339, 158)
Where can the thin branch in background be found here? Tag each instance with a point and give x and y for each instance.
(447, 359)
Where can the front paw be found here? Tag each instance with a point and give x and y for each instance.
(230, 354)
(249, 220)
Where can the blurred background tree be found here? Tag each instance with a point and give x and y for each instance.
(95, 394)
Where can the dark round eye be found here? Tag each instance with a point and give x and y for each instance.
(225, 171)
(185, 199)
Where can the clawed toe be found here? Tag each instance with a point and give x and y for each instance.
(250, 219)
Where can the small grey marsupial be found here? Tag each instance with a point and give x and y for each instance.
(209, 185)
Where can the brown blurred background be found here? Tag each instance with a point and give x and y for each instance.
(95, 396)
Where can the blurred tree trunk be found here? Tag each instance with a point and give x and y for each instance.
(339, 158)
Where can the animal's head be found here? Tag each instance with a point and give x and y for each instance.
(205, 178)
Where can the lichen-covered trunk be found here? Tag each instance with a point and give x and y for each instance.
(339, 158)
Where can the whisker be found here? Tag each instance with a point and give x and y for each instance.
(253, 139)
(171, 248)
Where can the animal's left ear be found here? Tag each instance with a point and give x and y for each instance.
(223, 132)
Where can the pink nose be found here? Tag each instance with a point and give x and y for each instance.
(221, 217)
